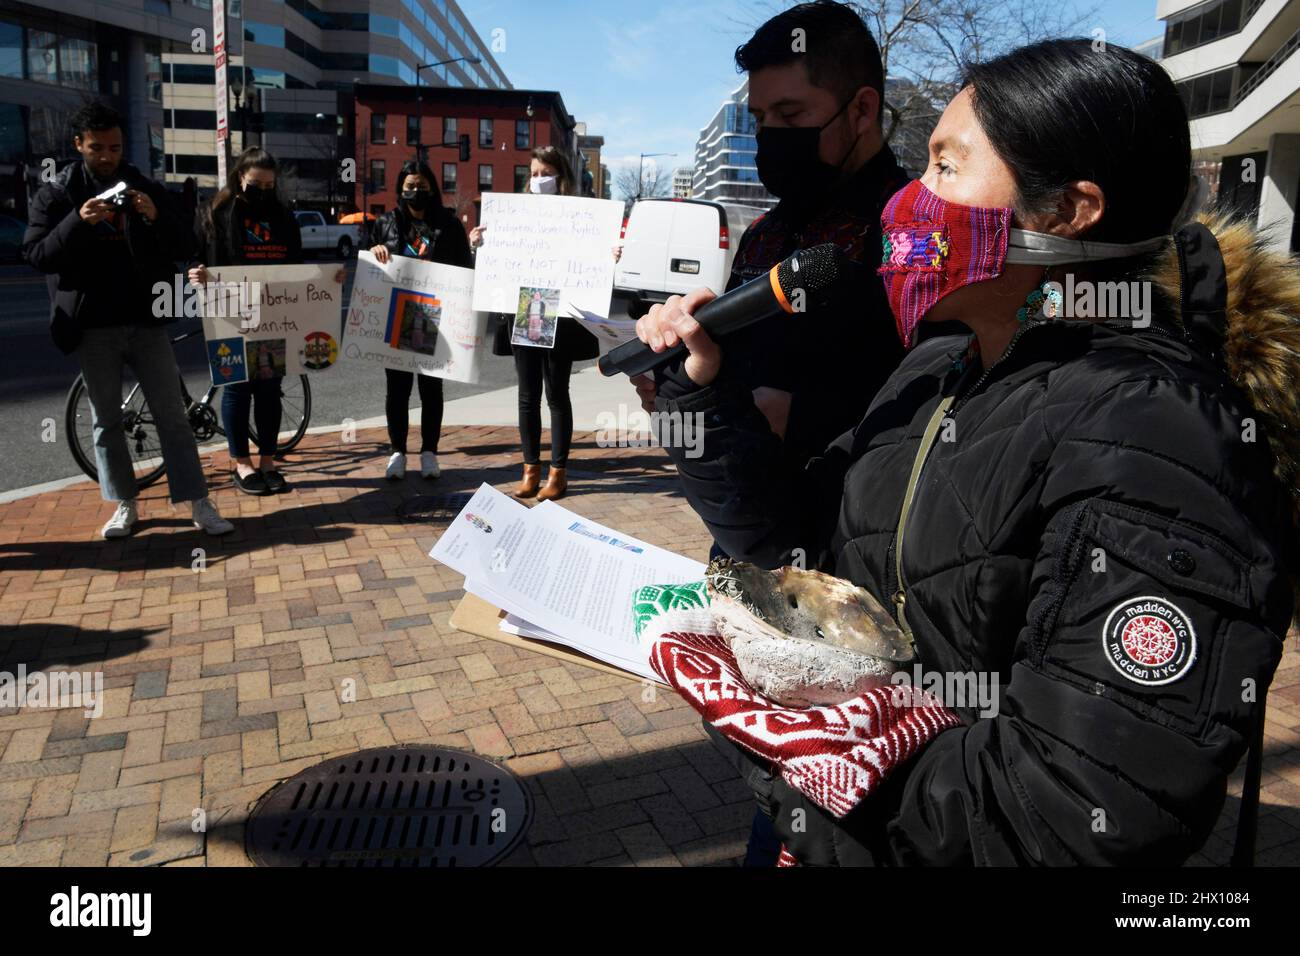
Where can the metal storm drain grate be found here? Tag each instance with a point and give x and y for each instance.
(433, 508)
(392, 806)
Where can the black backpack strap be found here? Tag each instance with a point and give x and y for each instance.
(1243, 847)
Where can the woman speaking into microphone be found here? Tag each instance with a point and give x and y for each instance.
(1087, 501)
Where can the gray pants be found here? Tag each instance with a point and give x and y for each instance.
(147, 350)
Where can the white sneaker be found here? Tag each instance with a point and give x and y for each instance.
(429, 465)
(119, 526)
(208, 519)
(396, 467)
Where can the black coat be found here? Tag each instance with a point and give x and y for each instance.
(450, 244)
(1090, 469)
(218, 246)
(86, 290)
(834, 357)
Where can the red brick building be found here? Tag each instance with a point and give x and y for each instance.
(503, 128)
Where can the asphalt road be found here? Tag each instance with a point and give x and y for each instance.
(36, 377)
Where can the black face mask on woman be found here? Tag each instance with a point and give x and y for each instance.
(417, 199)
(258, 199)
(789, 160)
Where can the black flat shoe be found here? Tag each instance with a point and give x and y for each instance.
(253, 484)
(275, 482)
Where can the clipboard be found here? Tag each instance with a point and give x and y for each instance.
(473, 615)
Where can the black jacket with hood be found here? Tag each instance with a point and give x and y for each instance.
(1094, 472)
(86, 287)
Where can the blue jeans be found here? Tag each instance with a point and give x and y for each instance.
(263, 397)
(147, 350)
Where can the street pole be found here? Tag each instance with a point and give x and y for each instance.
(222, 96)
(640, 184)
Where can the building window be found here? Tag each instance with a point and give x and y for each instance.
(523, 134)
(378, 123)
(521, 178)
(42, 57)
(448, 131)
(378, 180)
(1204, 24)
(484, 179)
(78, 67)
(449, 177)
(11, 50)
(412, 130)
(485, 133)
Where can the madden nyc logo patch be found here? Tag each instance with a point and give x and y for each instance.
(1149, 640)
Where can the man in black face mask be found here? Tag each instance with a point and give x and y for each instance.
(816, 91)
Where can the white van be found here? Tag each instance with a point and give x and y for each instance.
(671, 246)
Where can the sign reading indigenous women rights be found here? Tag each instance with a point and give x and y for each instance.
(415, 316)
(263, 321)
(546, 242)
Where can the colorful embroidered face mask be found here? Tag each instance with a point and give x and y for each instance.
(932, 248)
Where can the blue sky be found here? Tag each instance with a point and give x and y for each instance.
(647, 75)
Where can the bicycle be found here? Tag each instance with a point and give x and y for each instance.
(142, 437)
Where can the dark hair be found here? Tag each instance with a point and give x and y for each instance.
(839, 51)
(1060, 111)
(553, 157)
(94, 117)
(252, 158)
(413, 167)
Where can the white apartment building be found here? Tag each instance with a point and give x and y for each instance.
(724, 156)
(682, 177)
(1234, 63)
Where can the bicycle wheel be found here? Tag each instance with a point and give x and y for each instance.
(137, 423)
(295, 402)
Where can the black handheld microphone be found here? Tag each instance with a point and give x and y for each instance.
(785, 290)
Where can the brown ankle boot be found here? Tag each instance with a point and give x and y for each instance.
(556, 485)
(532, 478)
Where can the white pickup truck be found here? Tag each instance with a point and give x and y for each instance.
(319, 235)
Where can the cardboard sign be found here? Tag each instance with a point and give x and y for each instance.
(264, 321)
(415, 316)
(547, 242)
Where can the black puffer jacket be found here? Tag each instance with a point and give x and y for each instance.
(449, 242)
(88, 288)
(1095, 483)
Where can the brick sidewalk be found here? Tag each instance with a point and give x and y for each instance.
(220, 684)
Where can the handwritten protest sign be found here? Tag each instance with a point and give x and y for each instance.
(415, 316)
(547, 242)
(263, 321)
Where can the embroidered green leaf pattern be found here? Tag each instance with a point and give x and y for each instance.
(655, 599)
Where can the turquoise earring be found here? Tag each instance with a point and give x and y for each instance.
(1046, 299)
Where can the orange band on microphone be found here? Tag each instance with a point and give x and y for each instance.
(777, 291)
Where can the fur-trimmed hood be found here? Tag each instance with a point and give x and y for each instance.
(1261, 341)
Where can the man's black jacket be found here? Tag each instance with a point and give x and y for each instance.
(833, 357)
(1094, 473)
(87, 288)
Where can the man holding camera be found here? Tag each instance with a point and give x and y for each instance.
(105, 234)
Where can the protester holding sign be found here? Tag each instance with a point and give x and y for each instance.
(418, 227)
(535, 365)
(247, 224)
